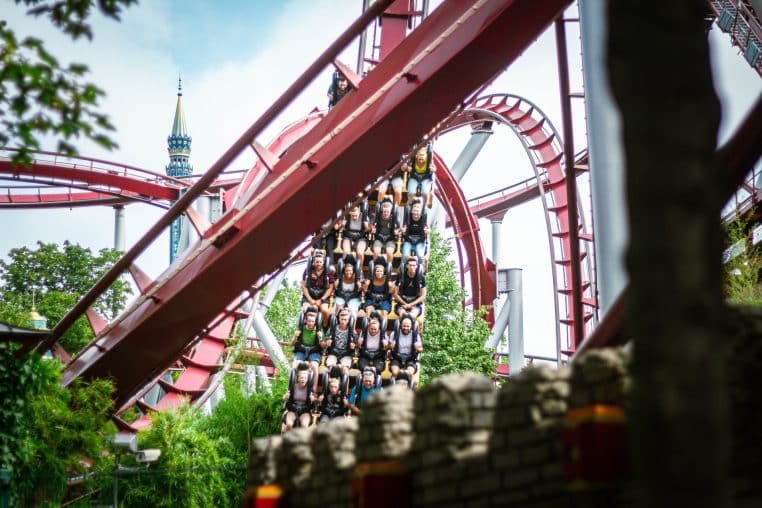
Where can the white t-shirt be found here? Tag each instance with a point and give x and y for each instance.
(373, 342)
(405, 344)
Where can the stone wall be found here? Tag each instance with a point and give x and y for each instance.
(465, 443)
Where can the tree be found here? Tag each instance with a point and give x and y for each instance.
(237, 420)
(190, 471)
(283, 314)
(55, 278)
(453, 337)
(40, 96)
(48, 433)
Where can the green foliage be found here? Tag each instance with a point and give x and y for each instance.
(453, 337)
(240, 418)
(283, 314)
(204, 458)
(49, 433)
(742, 273)
(190, 471)
(56, 277)
(39, 96)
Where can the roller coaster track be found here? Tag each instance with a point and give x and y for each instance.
(423, 80)
(97, 182)
(543, 146)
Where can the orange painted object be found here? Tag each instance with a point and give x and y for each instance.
(264, 496)
(382, 485)
(595, 443)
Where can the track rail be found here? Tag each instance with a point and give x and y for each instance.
(545, 151)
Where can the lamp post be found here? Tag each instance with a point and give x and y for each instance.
(129, 443)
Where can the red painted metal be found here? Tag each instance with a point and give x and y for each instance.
(357, 140)
(95, 179)
(543, 147)
(394, 22)
(466, 229)
(293, 132)
(494, 208)
(572, 210)
(101, 179)
(18, 197)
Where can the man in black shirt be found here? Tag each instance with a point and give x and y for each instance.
(410, 290)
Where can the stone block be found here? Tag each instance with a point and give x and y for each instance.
(480, 485)
(479, 502)
(520, 478)
(333, 445)
(262, 464)
(386, 429)
(511, 417)
(461, 422)
(294, 458)
(506, 459)
(521, 437)
(553, 408)
(598, 365)
(508, 499)
(537, 454)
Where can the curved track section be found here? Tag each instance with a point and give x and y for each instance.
(95, 180)
(466, 229)
(419, 83)
(543, 146)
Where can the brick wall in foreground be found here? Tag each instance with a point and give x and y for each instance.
(463, 443)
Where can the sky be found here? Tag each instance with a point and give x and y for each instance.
(236, 57)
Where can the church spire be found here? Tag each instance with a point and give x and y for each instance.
(179, 141)
(179, 147)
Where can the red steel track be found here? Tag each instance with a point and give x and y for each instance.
(543, 146)
(417, 85)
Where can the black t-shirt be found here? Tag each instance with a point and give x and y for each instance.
(410, 287)
(415, 232)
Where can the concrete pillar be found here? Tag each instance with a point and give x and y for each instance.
(268, 340)
(496, 239)
(606, 157)
(272, 288)
(474, 145)
(215, 207)
(119, 235)
(501, 323)
(515, 306)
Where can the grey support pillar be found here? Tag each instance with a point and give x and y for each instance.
(476, 142)
(272, 288)
(268, 340)
(515, 305)
(215, 207)
(606, 157)
(119, 235)
(474, 145)
(496, 239)
(501, 323)
(202, 207)
(512, 317)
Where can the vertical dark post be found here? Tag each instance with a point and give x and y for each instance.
(578, 330)
(658, 61)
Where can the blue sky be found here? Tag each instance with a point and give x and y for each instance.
(236, 57)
